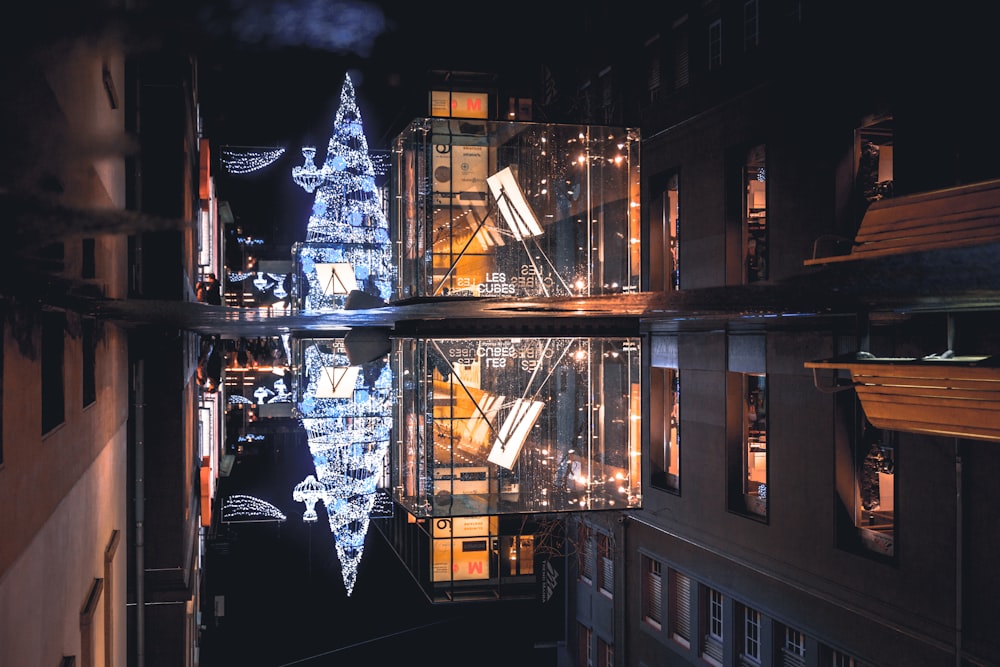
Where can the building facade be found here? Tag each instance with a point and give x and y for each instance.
(787, 520)
(101, 465)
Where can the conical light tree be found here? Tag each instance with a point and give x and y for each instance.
(348, 439)
(348, 227)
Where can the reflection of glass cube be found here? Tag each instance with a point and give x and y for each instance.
(517, 426)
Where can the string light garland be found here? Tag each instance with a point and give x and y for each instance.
(248, 160)
(241, 507)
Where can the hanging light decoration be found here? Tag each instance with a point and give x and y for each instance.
(309, 491)
(241, 507)
(247, 160)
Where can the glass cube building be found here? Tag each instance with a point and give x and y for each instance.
(486, 208)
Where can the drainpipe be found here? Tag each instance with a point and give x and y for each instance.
(140, 492)
(958, 552)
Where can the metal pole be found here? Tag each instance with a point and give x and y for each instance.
(140, 491)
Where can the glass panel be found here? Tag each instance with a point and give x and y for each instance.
(516, 209)
(516, 425)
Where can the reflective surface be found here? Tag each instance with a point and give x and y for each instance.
(513, 425)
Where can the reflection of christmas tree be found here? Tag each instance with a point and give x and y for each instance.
(348, 439)
(348, 222)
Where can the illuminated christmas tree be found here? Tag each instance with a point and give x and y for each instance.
(348, 425)
(347, 237)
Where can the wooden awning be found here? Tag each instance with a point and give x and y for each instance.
(957, 396)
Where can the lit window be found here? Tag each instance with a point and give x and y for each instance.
(875, 482)
(665, 438)
(755, 214)
(748, 452)
(652, 592)
(755, 405)
(873, 149)
(664, 233)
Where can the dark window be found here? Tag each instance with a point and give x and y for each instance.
(52, 256)
(89, 264)
(751, 27)
(89, 343)
(682, 73)
(654, 65)
(53, 389)
(3, 332)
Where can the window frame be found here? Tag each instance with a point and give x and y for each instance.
(713, 635)
(747, 448)
(665, 437)
(586, 553)
(606, 564)
(715, 44)
(751, 635)
(751, 25)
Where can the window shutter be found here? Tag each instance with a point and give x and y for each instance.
(680, 608)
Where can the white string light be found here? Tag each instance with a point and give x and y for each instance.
(349, 441)
(248, 160)
(348, 222)
(241, 507)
